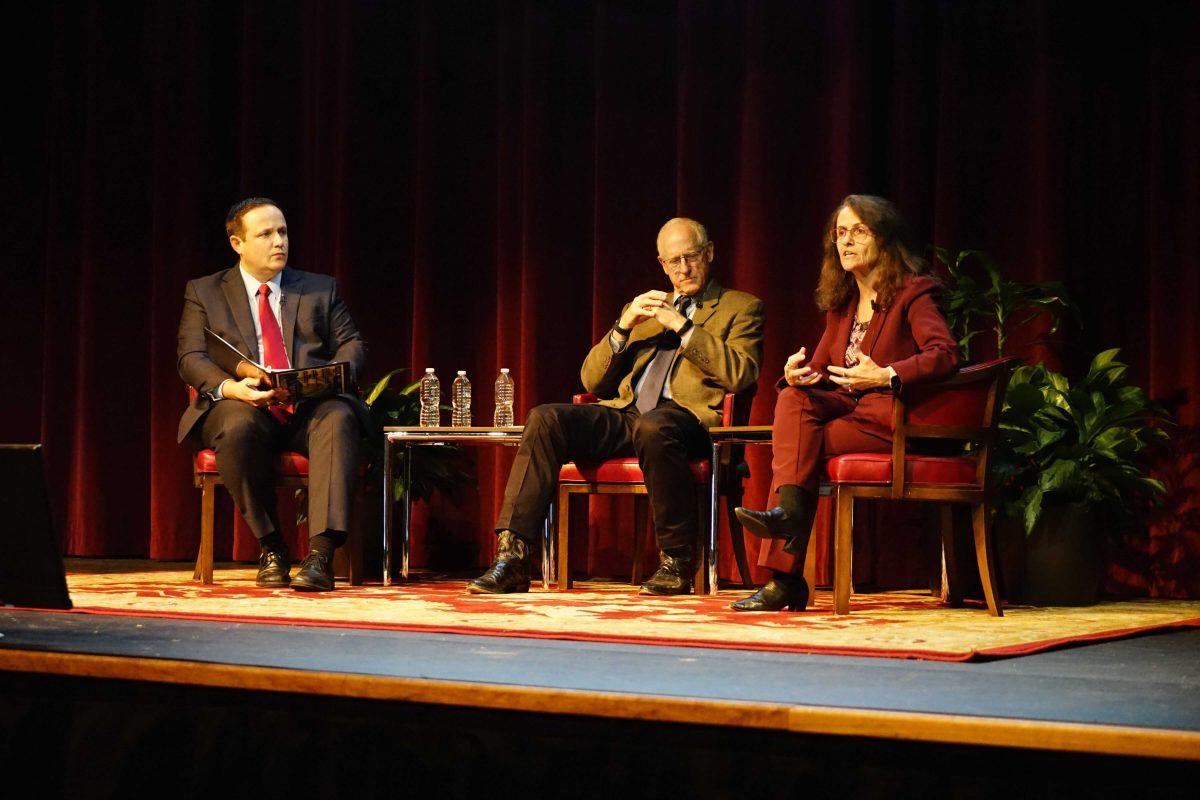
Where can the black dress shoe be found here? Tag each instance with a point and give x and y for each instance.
(674, 576)
(316, 573)
(273, 569)
(509, 571)
(782, 591)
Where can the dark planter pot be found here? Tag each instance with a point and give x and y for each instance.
(1061, 563)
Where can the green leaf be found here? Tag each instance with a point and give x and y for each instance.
(1060, 476)
(382, 384)
(1024, 399)
(1033, 508)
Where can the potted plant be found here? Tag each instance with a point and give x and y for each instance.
(1069, 467)
(992, 303)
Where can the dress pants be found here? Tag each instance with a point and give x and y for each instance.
(813, 424)
(664, 440)
(248, 440)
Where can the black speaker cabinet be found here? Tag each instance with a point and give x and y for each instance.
(31, 567)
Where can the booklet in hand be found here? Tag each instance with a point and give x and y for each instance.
(300, 384)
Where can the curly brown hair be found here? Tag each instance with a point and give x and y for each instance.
(897, 262)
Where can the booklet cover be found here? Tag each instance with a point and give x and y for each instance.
(301, 384)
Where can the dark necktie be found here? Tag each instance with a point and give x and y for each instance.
(660, 366)
(274, 354)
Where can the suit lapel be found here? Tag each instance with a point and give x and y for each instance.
(837, 355)
(239, 306)
(289, 287)
(872, 335)
(706, 306)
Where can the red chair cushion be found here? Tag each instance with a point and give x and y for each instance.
(291, 465)
(620, 470)
(877, 468)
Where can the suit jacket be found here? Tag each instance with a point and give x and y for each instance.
(317, 329)
(910, 335)
(722, 355)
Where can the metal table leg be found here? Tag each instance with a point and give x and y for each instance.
(714, 518)
(548, 549)
(387, 510)
(404, 542)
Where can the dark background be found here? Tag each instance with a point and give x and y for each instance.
(485, 180)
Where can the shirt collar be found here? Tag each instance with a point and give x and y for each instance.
(252, 283)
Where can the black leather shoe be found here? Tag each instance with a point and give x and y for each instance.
(509, 571)
(316, 573)
(674, 576)
(772, 524)
(273, 569)
(790, 592)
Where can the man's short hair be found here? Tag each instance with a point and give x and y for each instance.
(698, 230)
(233, 220)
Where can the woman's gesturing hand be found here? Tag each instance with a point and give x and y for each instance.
(864, 375)
(797, 375)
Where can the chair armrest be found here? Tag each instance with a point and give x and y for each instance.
(584, 399)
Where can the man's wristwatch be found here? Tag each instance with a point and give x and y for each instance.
(617, 329)
(894, 382)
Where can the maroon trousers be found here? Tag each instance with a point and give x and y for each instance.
(813, 424)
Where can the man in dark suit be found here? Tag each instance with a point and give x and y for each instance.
(662, 373)
(279, 317)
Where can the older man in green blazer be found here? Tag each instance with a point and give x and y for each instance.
(662, 373)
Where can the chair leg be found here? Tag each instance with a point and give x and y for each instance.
(640, 518)
(208, 502)
(700, 575)
(951, 584)
(982, 525)
(843, 546)
(562, 513)
(810, 570)
(732, 500)
(354, 557)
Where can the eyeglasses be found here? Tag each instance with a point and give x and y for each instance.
(692, 258)
(855, 233)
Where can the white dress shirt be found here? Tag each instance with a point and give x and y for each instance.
(275, 299)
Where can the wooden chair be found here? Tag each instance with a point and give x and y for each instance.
(624, 476)
(292, 474)
(962, 408)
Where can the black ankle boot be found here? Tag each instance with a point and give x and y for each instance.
(674, 575)
(782, 591)
(509, 571)
(791, 520)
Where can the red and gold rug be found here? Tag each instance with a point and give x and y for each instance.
(892, 625)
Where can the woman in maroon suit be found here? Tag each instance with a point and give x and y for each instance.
(883, 330)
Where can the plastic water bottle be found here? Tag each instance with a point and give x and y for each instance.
(504, 401)
(431, 398)
(460, 401)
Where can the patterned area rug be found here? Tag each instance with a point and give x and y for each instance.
(892, 625)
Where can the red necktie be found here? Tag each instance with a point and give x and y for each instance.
(274, 354)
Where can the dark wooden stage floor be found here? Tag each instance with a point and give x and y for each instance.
(1110, 711)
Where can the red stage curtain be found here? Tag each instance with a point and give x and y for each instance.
(486, 180)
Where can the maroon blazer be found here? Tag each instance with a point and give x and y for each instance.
(910, 335)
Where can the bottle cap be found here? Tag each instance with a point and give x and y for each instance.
(504, 370)
(462, 372)
(429, 369)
